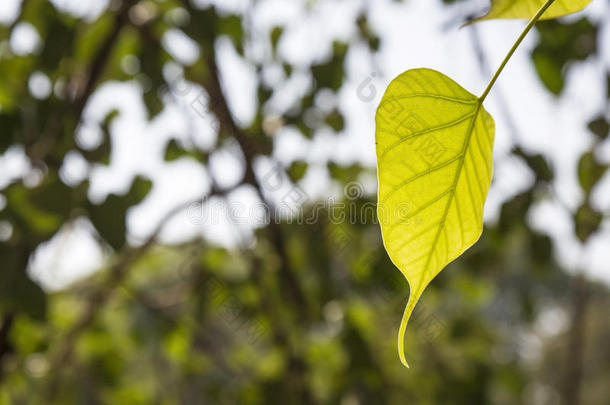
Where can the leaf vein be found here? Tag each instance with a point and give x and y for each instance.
(426, 131)
(452, 194)
(421, 174)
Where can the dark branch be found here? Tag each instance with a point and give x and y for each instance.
(5, 347)
(221, 109)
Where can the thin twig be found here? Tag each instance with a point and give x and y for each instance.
(486, 71)
(504, 111)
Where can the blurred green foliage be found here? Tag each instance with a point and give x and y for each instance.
(307, 313)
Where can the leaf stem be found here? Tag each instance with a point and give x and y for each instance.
(527, 29)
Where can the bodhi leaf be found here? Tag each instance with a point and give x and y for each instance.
(434, 156)
(527, 9)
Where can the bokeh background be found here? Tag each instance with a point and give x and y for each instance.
(187, 206)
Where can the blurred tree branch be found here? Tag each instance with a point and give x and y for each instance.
(98, 298)
(576, 341)
(82, 91)
(5, 347)
(221, 110)
(219, 107)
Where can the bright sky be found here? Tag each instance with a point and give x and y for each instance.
(419, 33)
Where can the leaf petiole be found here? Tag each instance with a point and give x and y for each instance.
(527, 29)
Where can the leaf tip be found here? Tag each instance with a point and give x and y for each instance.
(403, 360)
(402, 330)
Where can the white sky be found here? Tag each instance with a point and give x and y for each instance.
(413, 36)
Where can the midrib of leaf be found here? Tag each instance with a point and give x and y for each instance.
(456, 178)
(416, 292)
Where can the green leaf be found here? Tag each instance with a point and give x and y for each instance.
(526, 9)
(175, 151)
(109, 218)
(276, 34)
(297, 170)
(18, 293)
(434, 155)
(590, 171)
(330, 74)
(586, 222)
(600, 127)
(559, 46)
(335, 120)
(537, 163)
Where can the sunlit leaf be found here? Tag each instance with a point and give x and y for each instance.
(434, 153)
(527, 9)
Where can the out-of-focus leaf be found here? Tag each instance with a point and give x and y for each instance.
(287, 69)
(276, 34)
(526, 9)
(549, 72)
(91, 37)
(560, 44)
(174, 151)
(9, 122)
(330, 74)
(18, 293)
(538, 164)
(513, 211)
(586, 221)
(109, 217)
(600, 127)
(206, 25)
(41, 210)
(231, 26)
(590, 171)
(297, 170)
(151, 78)
(101, 154)
(343, 173)
(335, 120)
(57, 43)
(367, 33)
